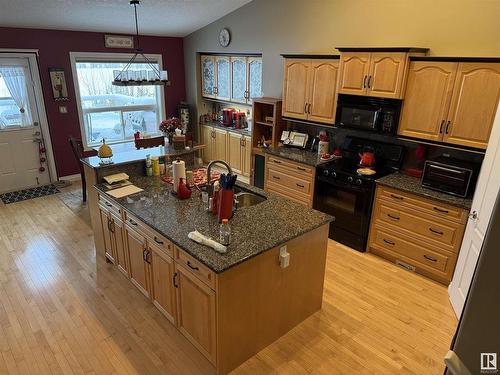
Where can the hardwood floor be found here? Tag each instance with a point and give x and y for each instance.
(64, 311)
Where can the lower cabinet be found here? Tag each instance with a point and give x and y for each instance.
(239, 153)
(163, 283)
(417, 233)
(140, 257)
(120, 250)
(196, 311)
(106, 230)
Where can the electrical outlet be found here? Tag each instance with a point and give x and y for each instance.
(284, 257)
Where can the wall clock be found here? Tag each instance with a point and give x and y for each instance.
(224, 37)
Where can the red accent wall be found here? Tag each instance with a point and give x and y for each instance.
(54, 47)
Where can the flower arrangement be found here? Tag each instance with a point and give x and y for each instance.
(168, 126)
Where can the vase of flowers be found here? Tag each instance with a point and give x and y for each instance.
(167, 127)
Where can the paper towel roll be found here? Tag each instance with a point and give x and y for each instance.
(178, 172)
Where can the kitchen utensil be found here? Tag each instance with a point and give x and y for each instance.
(367, 158)
(225, 204)
(178, 171)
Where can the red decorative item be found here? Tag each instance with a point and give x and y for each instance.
(41, 169)
(42, 159)
(183, 191)
(42, 150)
(225, 207)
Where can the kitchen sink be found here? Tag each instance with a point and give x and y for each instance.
(245, 199)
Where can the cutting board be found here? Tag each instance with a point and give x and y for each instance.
(124, 191)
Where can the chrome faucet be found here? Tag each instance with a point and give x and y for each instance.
(210, 185)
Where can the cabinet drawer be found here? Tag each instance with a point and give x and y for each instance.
(200, 271)
(289, 194)
(400, 246)
(434, 208)
(291, 182)
(135, 223)
(110, 205)
(286, 164)
(160, 242)
(442, 231)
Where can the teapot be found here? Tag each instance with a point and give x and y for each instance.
(367, 157)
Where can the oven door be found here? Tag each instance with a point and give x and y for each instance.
(351, 207)
(362, 117)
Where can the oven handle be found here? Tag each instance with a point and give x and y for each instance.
(341, 185)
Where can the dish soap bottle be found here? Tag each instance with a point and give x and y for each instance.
(225, 233)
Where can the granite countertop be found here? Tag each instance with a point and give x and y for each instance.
(254, 229)
(136, 155)
(296, 154)
(217, 124)
(412, 185)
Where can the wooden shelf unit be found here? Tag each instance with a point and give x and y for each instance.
(262, 108)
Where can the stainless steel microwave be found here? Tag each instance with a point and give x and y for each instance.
(368, 113)
(450, 176)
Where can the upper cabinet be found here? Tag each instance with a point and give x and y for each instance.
(452, 102)
(310, 89)
(375, 72)
(235, 79)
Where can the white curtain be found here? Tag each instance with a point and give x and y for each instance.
(15, 80)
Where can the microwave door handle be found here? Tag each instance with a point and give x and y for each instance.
(376, 117)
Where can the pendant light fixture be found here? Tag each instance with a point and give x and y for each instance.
(128, 77)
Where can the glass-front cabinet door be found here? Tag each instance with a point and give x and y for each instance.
(208, 80)
(239, 79)
(223, 88)
(254, 78)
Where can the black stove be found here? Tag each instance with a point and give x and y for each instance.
(347, 195)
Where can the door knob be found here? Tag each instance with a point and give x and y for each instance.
(36, 134)
(473, 216)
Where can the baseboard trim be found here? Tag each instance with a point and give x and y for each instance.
(73, 177)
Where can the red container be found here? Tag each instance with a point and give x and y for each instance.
(225, 204)
(227, 116)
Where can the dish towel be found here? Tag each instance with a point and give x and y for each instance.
(204, 240)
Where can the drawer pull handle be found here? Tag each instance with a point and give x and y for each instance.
(174, 278)
(389, 242)
(301, 169)
(192, 267)
(108, 204)
(436, 231)
(393, 217)
(276, 177)
(145, 256)
(397, 197)
(132, 222)
(299, 185)
(158, 241)
(429, 258)
(276, 161)
(441, 210)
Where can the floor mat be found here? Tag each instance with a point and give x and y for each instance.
(22, 195)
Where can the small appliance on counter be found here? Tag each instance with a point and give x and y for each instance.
(227, 116)
(294, 139)
(451, 176)
(346, 191)
(367, 113)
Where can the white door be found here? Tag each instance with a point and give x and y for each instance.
(482, 206)
(20, 131)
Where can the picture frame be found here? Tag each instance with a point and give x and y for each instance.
(58, 84)
(119, 41)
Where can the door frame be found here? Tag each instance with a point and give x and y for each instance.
(32, 56)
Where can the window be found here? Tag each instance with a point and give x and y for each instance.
(115, 113)
(15, 98)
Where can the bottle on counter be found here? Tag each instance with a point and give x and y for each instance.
(155, 162)
(149, 166)
(225, 233)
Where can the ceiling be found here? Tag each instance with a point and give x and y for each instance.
(156, 17)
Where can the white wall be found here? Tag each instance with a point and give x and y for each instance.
(272, 27)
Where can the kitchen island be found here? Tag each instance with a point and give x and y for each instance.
(232, 305)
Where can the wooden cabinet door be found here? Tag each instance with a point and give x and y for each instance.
(323, 92)
(386, 74)
(223, 77)
(208, 81)
(234, 158)
(296, 88)
(207, 139)
(246, 153)
(354, 67)
(254, 89)
(138, 266)
(473, 105)
(220, 145)
(239, 79)
(163, 291)
(427, 99)
(196, 312)
(106, 231)
(120, 250)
